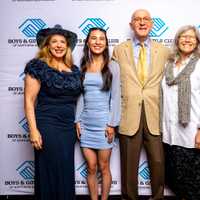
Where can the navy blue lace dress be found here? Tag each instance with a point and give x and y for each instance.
(54, 164)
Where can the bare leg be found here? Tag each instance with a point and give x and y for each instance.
(104, 165)
(91, 159)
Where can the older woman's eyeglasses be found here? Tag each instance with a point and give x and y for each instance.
(185, 37)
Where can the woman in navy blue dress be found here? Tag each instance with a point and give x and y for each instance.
(98, 110)
(52, 86)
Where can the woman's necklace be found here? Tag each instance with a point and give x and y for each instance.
(60, 66)
(95, 67)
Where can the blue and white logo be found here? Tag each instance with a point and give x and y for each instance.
(22, 76)
(144, 171)
(159, 27)
(83, 170)
(26, 170)
(91, 23)
(24, 124)
(84, 173)
(30, 27)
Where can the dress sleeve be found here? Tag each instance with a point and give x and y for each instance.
(34, 68)
(115, 102)
(115, 54)
(79, 109)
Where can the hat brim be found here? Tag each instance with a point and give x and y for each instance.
(70, 36)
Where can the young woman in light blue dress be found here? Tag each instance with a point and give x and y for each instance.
(98, 110)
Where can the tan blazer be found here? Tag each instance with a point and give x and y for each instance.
(133, 93)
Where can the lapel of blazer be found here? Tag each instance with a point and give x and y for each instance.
(129, 52)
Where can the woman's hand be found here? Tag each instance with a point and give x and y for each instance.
(36, 139)
(78, 130)
(110, 132)
(197, 139)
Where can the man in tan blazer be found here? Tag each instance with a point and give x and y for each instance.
(139, 125)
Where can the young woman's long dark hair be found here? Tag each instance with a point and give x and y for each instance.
(85, 61)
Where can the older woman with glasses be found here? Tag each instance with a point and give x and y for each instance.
(180, 112)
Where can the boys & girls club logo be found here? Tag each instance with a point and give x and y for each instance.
(26, 172)
(22, 76)
(28, 29)
(24, 125)
(89, 23)
(20, 137)
(159, 29)
(144, 174)
(82, 170)
(17, 89)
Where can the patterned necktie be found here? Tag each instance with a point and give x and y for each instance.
(142, 64)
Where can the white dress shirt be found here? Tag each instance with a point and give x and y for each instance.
(173, 132)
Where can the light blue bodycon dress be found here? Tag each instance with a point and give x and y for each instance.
(96, 109)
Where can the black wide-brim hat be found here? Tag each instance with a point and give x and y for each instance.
(42, 34)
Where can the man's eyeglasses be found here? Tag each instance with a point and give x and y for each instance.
(139, 19)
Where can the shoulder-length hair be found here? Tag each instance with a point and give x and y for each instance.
(45, 55)
(175, 49)
(87, 56)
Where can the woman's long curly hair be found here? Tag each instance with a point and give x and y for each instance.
(87, 56)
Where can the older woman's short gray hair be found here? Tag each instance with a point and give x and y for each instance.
(183, 29)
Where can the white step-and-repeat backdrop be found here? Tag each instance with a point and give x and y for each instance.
(20, 20)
